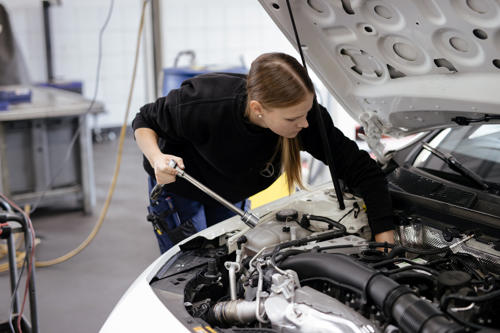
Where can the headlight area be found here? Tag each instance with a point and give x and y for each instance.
(297, 272)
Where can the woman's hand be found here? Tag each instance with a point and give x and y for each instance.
(386, 236)
(163, 172)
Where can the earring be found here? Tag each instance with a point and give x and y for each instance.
(259, 115)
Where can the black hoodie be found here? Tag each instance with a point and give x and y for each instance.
(203, 122)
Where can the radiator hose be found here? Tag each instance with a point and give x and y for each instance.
(411, 313)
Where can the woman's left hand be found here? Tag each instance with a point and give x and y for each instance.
(386, 236)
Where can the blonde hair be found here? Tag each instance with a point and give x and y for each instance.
(278, 80)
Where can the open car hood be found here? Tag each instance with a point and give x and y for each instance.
(401, 66)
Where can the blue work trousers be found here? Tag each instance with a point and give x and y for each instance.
(175, 218)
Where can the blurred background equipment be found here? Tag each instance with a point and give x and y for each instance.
(35, 137)
(173, 76)
(12, 66)
(14, 220)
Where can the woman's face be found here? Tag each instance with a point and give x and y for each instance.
(287, 121)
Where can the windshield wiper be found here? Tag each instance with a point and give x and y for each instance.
(455, 165)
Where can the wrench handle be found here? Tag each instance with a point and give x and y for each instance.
(248, 218)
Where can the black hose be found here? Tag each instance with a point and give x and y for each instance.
(413, 266)
(330, 222)
(413, 275)
(306, 240)
(469, 324)
(4, 205)
(286, 254)
(373, 245)
(426, 251)
(343, 269)
(398, 250)
(411, 313)
(394, 260)
(303, 241)
(12, 217)
(486, 297)
(355, 206)
(333, 247)
(369, 245)
(468, 263)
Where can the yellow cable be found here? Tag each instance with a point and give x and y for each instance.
(111, 190)
(3, 250)
(19, 261)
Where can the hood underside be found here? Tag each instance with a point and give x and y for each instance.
(402, 66)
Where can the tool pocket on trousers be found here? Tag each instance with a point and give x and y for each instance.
(165, 224)
(183, 231)
(166, 219)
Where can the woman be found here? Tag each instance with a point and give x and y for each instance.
(236, 134)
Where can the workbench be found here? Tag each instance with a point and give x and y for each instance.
(35, 166)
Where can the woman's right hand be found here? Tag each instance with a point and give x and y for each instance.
(163, 172)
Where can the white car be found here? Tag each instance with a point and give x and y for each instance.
(401, 67)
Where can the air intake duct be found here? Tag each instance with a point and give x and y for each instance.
(411, 313)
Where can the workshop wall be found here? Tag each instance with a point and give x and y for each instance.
(226, 32)
(27, 25)
(77, 57)
(75, 29)
(221, 32)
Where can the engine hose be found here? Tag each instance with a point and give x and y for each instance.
(286, 254)
(306, 240)
(370, 245)
(373, 245)
(411, 313)
(330, 222)
(394, 260)
(479, 328)
(483, 298)
(412, 266)
(413, 275)
(398, 250)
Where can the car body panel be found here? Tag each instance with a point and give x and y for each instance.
(403, 66)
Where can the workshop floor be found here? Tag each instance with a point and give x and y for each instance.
(78, 295)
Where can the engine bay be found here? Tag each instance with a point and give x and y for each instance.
(303, 272)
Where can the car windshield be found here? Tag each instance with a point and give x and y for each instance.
(476, 147)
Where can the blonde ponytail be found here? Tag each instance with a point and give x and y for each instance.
(278, 80)
(291, 163)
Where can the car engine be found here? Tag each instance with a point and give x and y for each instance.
(303, 272)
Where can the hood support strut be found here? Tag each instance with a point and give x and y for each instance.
(322, 130)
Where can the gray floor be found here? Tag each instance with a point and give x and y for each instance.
(77, 295)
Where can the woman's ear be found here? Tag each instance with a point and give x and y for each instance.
(256, 107)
